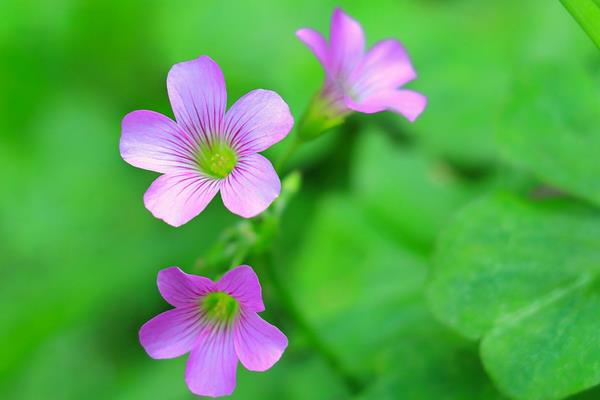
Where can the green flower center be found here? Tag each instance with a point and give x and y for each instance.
(220, 306)
(216, 159)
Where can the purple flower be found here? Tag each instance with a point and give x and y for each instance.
(207, 150)
(217, 323)
(362, 81)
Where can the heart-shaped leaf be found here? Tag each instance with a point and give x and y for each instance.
(364, 294)
(524, 277)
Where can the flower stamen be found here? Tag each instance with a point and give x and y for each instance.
(220, 306)
(216, 159)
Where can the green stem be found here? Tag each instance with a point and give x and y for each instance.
(587, 15)
(285, 299)
(317, 119)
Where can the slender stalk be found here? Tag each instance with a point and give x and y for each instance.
(318, 118)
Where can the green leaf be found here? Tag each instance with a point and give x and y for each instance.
(364, 294)
(524, 277)
(587, 14)
(432, 365)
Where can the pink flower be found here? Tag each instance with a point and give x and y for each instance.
(217, 323)
(207, 150)
(362, 81)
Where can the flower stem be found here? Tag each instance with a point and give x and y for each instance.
(318, 118)
(352, 383)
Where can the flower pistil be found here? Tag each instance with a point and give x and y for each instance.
(220, 306)
(216, 159)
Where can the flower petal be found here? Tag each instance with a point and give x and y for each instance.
(258, 344)
(178, 198)
(179, 288)
(385, 67)
(151, 141)
(316, 43)
(257, 121)
(242, 283)
(347, 43)
(251, 187)
(211, 368)
(172, 333)
(198, 96)
(406, 102)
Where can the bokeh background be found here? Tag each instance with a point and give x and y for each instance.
(80, 253)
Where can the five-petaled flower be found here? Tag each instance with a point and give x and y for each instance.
(218, 323)
(207, 150)
(361, 81)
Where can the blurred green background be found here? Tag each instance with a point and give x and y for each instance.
(80, 253)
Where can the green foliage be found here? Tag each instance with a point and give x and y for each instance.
(510, 84)
(364, 294)
(523, 275)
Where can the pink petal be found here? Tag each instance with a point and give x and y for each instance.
(180, 289)
(242, 283)
(172, 333)
(198, 96)
(178, 198)
(251, 187)
(385, 67)
(257, 121)
(347, 43)
(406, 102)
(258, 344)
(316, 43)
(212, 365)
(150, 140)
